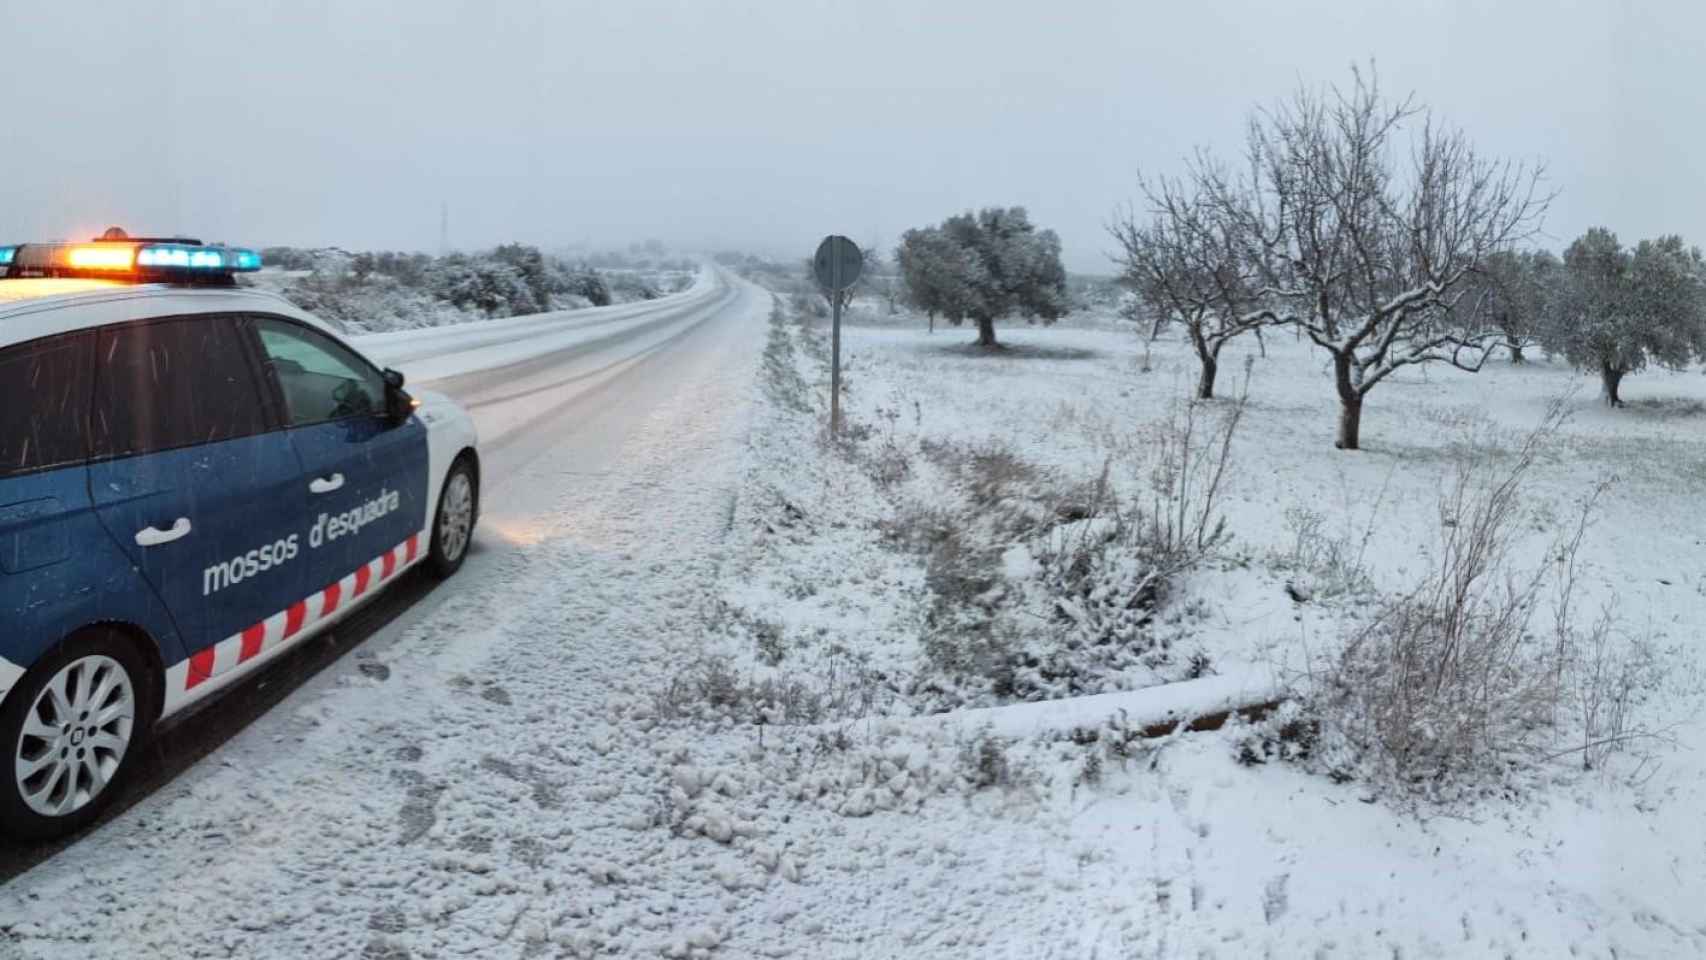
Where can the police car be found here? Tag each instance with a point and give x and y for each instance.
(194, 477)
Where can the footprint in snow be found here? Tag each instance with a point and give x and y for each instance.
(419, 813)
(381, 949)
(388, 920)
(546, 793)
(1275, 900)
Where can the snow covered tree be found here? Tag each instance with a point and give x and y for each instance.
(933, 271)
(1367, 255)
(1002, 265)
(580, 281)
(1621, 310)
(1516, 291)
(528, 264)
(493, 287)
(629, 287)
(1186, 263)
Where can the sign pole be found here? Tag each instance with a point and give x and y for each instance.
(837, 266)
(835, 354)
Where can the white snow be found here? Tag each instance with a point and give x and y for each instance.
(538, 776)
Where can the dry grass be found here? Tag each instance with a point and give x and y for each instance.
(1451, 690)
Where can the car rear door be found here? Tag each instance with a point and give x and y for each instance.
(367, 474)
(58, 569)
(194, 478)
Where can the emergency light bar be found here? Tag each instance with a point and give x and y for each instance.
(178, 255)
(118, 258)
(100, 258)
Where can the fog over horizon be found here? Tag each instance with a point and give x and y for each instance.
(763, 126)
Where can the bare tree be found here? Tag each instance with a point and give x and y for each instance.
(1187, 263)
(1368, 256)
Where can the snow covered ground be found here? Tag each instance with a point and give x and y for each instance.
(1128, 848)
(672, 716)
(474, 788)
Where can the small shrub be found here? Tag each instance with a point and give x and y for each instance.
(987, 473)
(1335, 564)
(994, 472)
(959, 571)
(984, 763)
(716, 683)
(1448, 692)
(889, 460)
(839, 687)
(1105, 562)
(1190, 463)
(1285, 735)
(1089, 770)
(771, 648)
(1609, 679)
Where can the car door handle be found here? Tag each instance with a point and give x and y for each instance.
(154, 536)
(326, 484)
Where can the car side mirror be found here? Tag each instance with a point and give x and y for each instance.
(398, 404)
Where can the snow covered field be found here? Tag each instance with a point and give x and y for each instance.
(689, 709)
(1174, 848)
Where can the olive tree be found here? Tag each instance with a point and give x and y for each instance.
(932, 272)
(1620, 310)
(985, 266)
(1517, 291)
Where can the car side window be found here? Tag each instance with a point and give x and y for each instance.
(174, 383)
(44, 403)
(319, 378)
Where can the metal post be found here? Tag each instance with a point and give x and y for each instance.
(835, 352)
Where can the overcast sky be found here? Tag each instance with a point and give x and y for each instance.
(765, 125)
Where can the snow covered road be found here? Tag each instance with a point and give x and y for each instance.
(439, 352)
(521, 376)
(416, 799)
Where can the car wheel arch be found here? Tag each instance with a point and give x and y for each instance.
(146, 646)
(472, 458)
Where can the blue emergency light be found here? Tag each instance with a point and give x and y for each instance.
(180, 255)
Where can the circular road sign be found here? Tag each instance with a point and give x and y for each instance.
(838, 263)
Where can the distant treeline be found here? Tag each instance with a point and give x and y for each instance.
(382, 290)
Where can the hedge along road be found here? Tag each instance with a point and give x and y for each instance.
(551, 389)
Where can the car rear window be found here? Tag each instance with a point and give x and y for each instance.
(44, 404)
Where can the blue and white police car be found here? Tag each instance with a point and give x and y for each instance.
(194, 476)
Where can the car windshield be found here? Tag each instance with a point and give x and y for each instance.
(647, 478)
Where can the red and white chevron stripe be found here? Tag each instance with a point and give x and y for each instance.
(240, 651)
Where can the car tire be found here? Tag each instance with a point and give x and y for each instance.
(72, 730)
(453, 521)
